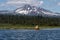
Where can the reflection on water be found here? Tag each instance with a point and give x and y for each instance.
(29, 34)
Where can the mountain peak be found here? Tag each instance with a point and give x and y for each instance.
(33, 10)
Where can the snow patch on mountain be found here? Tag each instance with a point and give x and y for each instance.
(22, 11)
(48, 13)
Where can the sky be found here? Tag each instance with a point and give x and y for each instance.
(52, 5)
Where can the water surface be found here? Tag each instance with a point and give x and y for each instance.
(30, 34)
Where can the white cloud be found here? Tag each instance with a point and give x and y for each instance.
(41, 2)
(1, 4)
(13, 4)
(22, 2)
(58, 3)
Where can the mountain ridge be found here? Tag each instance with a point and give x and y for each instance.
(31, 11)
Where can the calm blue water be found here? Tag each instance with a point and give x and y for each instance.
(29, 34)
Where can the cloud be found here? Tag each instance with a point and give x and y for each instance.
(22, 2)
(13, 4)
(41, 2)
(58, 3)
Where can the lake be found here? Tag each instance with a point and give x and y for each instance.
(30, 34)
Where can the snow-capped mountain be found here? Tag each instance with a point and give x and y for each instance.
(27, 10)
(33, 10)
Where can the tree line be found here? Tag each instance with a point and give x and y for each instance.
(29, 20)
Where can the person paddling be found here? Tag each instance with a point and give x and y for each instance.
(36, 27)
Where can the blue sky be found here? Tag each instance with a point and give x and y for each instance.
(53, 5)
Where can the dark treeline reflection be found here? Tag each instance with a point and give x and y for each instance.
(29, 20)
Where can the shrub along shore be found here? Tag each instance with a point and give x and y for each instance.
(18, 26)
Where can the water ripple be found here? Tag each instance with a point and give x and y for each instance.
(29, 34)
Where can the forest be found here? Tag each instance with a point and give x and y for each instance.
(29, 20)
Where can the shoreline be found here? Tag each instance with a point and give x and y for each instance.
(30, 27)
